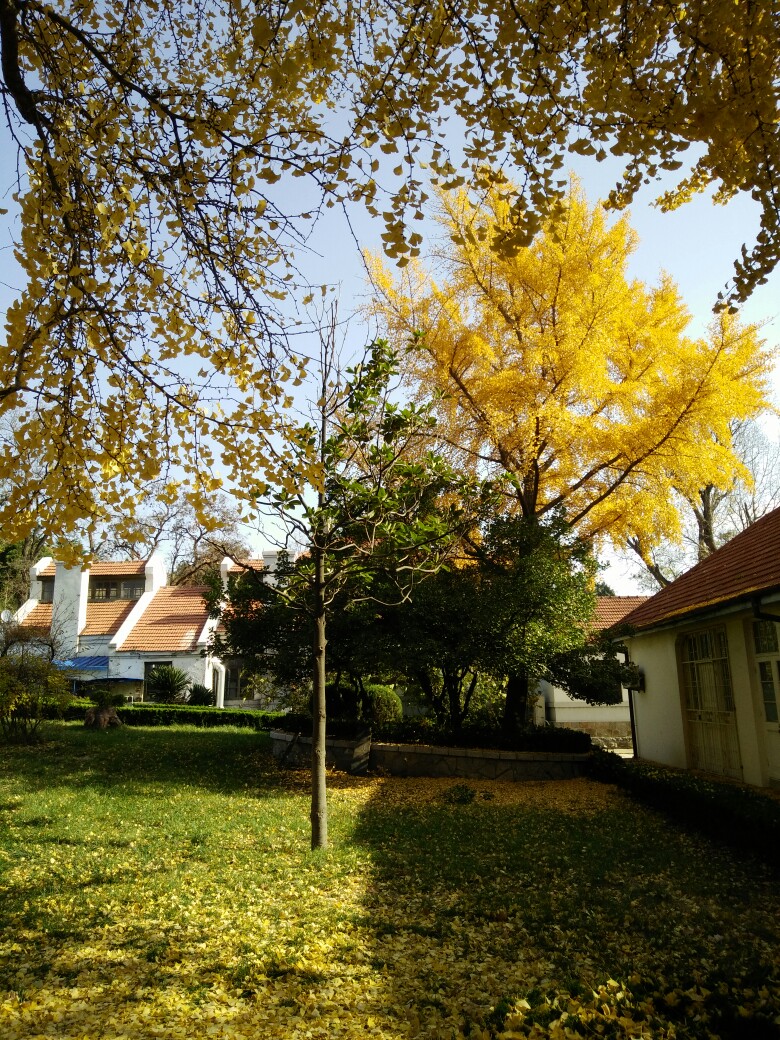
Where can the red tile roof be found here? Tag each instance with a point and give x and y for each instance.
(109, 569)
(172, 622)
(104, 617)
(744, 568)
(612, 609)
(242, 565)
(39, 617)
(105, 569)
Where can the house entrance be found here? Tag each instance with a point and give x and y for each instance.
(711, 722)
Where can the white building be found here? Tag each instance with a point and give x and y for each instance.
(708, 646)
(604, 721)
(115, 622)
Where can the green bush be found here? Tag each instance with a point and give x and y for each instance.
(339, 729)
(32, 690)
(384, 704)
(180, 715)
(739, 816)
(168, 685)
(102, 698)
(200, 696)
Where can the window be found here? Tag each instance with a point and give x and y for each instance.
(133, 588)
(766, 643)
(113, 588)
(232, 683)
(765, 637)
(47, 590)
(706, 675)
(767, 680)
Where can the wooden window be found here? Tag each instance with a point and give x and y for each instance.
(768, 689)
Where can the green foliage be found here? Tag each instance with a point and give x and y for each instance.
(105, 698)
(426, 730)
(184, 715)
(168, 685)
(459, 794)
(592, 672)
(200, 696)
(384, 704)
(747, 819)
(32, 689)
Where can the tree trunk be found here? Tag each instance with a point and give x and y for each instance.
(516, 703)
(319, 806)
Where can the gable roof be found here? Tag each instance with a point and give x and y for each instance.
(745, 568)
(172, 622)
(612, 609)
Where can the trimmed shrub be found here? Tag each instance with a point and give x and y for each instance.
(32, 690)
(384, 704)
(742, 817)
(181, 715)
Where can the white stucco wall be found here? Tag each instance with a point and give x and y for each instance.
(69, 609)
(565, 710)
(660, 736)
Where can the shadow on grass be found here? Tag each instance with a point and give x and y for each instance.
(492, 917)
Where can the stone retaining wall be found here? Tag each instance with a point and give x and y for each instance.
(474, 763)
(356, 756)
(292, 749)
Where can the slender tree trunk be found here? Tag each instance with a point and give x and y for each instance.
(319, 805)
(516, 703)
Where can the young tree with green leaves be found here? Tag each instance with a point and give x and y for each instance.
(382, 518)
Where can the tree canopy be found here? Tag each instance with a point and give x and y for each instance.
(558, 370)
(155, 246)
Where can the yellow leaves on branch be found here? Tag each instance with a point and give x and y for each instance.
(559, 370)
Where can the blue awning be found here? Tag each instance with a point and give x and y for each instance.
(84, 664)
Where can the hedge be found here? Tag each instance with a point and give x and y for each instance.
(180, 715)
(739, 816)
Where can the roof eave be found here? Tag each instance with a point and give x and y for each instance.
(730, 605)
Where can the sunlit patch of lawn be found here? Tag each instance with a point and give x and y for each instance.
(159, 883)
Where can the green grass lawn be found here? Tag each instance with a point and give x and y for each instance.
(158, 883)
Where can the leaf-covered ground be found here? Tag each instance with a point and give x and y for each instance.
(158, 883)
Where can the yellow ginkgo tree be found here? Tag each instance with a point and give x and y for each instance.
(559, 370)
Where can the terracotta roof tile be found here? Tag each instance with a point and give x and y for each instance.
(39, 617)
(172, 622)
(612, 609)
(104, 569)
(105, 617)
(109, 569)
(242, 565)
(746, 567)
